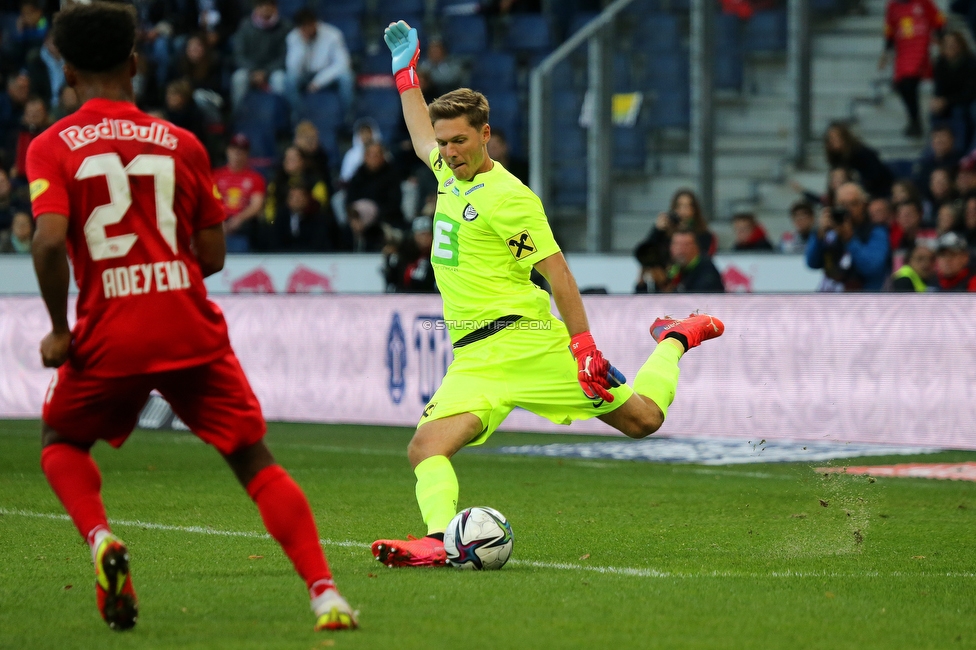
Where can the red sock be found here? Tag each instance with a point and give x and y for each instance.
(288, 518)
(75, 479)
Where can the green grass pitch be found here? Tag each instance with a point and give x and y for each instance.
(608, 554)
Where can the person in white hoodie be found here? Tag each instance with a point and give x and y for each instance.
(317, 59)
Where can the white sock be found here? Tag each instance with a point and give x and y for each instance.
(96, 537)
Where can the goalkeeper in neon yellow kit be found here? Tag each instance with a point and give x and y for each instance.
(489, 232)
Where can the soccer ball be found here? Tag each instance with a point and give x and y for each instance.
(478, 538)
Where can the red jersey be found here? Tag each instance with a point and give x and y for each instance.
(237, 188)
(910, 24)
(134, 189)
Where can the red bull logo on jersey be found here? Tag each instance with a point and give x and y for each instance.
(156, 133)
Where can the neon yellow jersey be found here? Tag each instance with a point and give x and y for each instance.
(488, 233)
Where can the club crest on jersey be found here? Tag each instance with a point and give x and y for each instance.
(521, 245)
(469, 214)
(475, 188)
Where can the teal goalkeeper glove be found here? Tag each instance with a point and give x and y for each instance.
(404, 45)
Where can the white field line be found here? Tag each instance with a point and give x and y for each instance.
(558, 566)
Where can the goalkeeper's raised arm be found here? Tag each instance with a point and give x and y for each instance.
(404, 45)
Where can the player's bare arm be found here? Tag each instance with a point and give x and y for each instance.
(50, 254)
(565, 292)
(405, 48)
(210, 248)
(595, 374)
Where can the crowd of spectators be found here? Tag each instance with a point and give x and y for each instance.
(871, 222)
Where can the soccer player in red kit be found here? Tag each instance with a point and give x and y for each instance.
(130, 199)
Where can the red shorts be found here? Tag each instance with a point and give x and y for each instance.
(214, 400)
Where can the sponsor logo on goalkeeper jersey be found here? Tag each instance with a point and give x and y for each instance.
(475, 188)
(521, 245)
(428, 410)
(138, 279)
(449, 182)
(456, 191)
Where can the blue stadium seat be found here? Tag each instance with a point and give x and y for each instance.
(465, 34)
(669, 71)
(569, 186)
(404, 6)
(569, 143)
(378, 63)
(766, 31)
(566, 107)
(351, 32)
(729, 57)
(383, 105)
(671, 108)
(336, 8)
(506, 115)
(385, 16)
(662, 34)
(493, 71)
(642, 8)
(288, 8)
(324, 110)
(579, 20)
(629, 148)
(528, 33)
(564, 77)
(261, 117)
(622, 80)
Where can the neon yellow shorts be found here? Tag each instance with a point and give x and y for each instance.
(529, 368)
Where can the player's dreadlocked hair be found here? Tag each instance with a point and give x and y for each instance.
(461, 102)
(96, 37)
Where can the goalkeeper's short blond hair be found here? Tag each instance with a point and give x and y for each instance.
(462, 102)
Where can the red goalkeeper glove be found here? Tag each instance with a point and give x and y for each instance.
(595, 374)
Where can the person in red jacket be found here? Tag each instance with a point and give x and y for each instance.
(909, 28)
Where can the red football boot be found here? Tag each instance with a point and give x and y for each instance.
(696, 328)
(426, 551)
(113, 584)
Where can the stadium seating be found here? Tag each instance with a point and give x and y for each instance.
(404, 6)
(494, 71)
(324, 110)
(378, 63)
(507, 116)
(629, 152)
(579, 20)
(351, 32)
(528, 33)
(465, 34)
(261, 117)
(661, 34)
(568, 142)
(569, 185)
(729, 57)
(622, 81)
(566, 107)
(288, 8)
(766, 31)
(386, 16)
(336, 8)
(383, 105)
(671, 108)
